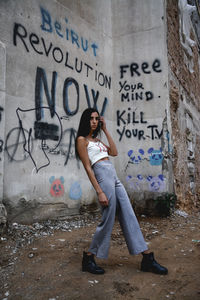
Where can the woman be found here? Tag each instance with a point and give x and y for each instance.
(111, 194)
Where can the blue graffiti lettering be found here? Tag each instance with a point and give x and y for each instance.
(47, 25)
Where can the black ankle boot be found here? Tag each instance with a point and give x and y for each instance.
(149, 264)
(89, 265)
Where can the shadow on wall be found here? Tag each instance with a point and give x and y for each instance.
(154, 204)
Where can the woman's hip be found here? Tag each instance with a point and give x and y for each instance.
(104, 170)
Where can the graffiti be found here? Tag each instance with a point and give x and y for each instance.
(156, 156)
(1, 109)
(22, 147)
(41, 134)
(41, 83)
(69, 34)
(58, 55)
(144, 68)
(133, 92)
(57, 188)
(137, 156)
(42, 129)
(75, 192)
(14, 144)
(70, 82)
(131, 133)
(136, 92)
(152, 133)
(130, 117)
(156, 184)
(134, 182)
(95, 97)
(45, 131)
(1, 146)
(150, 183)
(126, 117)
(70, 147)
(23, 138)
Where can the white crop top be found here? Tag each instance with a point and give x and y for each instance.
(96, 151)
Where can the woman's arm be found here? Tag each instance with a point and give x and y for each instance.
(83, 154)
(112, 149)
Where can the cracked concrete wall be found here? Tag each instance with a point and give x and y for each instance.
(184, 76)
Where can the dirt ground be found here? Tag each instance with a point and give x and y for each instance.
(43, 261)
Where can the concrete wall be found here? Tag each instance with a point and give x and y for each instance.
(141, 99)
(3, 213)
(58, 58)
(58, 63)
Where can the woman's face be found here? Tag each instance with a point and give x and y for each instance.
(94, 121)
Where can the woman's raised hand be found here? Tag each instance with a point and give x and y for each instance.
(103, 123)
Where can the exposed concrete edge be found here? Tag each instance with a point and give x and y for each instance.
(3, 217)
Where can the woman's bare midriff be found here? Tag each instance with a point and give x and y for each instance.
(105, 158)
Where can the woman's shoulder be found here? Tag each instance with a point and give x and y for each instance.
(82, 140)
(79, 138)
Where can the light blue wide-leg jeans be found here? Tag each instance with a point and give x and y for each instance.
(118, 200)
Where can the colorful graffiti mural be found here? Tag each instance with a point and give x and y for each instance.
(155, 157)
(148, 183)
(57, 188)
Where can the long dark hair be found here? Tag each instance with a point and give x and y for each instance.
(84, 126)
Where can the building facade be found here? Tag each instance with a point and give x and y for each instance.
(136, 61)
